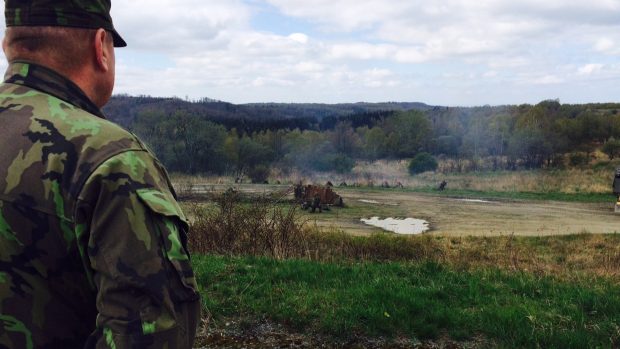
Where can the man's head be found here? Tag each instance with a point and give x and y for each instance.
(74, 38)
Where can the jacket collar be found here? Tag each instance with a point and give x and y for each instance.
(48, 81)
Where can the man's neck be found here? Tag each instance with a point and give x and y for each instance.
(47, 80)
(81, 77)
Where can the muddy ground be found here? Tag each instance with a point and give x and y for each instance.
(451, 215)
(267, 335)
(458, 216)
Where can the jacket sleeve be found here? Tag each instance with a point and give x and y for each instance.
(132, 237)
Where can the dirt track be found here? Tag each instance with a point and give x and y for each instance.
(476, 217)
(453, 216)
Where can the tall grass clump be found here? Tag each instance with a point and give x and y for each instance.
(259, 228)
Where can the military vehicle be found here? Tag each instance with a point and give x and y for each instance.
(317, 197)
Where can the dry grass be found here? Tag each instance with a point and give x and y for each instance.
(565, 256)
(259, 228)
(563, 181)
(364, 174)
(596, 179)
(265, 228)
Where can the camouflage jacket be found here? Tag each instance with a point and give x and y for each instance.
(92, 241)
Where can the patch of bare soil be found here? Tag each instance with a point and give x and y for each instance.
(479, 217)
(446, 215)
(267, 335)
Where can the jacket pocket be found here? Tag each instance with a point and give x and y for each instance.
(172, 228)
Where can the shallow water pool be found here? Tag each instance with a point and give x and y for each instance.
(407, 226)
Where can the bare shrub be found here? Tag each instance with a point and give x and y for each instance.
(185, 189)
(260, 227)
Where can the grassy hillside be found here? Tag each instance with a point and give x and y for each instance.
(418, 301)
(260, 263)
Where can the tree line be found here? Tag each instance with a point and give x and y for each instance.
(545, 135)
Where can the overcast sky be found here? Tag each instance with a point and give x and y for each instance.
(447, 52)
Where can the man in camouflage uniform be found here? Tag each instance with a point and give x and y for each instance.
(92, 241)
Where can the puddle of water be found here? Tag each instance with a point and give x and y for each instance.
(376, 202)
(474, 200)
(370, 201)
(408, 226)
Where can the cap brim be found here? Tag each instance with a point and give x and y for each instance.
(118, 40)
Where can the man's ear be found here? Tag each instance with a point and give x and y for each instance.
(102, 50)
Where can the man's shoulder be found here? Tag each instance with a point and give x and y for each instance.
(63, 120)
(56, 140)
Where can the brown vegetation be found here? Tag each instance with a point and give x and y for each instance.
(264, 228)
(258, 228)
(596, 179)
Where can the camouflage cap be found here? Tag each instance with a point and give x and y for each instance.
(93, 14)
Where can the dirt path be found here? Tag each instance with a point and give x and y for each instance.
(472, 217)
(451, 216)
(267, 335)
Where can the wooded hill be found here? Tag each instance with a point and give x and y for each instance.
(124, 109)
(218, 137)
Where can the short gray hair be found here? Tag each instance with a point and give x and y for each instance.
(61, 47)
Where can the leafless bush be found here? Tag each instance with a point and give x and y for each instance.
(260, 227)
(185, 189)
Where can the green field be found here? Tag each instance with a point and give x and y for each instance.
(499, 269)
(509, 195)
(419, 301)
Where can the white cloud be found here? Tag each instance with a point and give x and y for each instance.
(362, 51)
(604, 44)
(179, 25)
(299, 37)
(447, 52)
(590, 69)
(458, 27)
(547, 80)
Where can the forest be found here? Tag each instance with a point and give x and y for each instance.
(214, 137)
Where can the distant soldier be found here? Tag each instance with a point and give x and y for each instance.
(93, 244)
(616, 184)
(330, 184)
(299, 191)
(343, 184)
(316, 203)
(442, 186)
